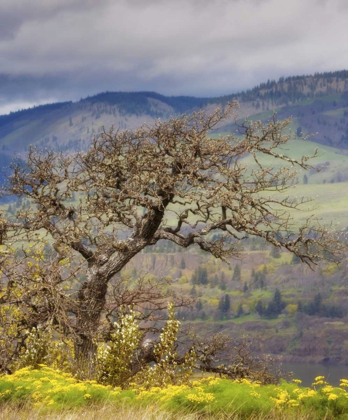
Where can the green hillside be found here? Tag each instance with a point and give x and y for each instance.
(318, 104)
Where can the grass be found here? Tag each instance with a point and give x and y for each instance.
(22, 133)
(51, 394)
(329, 200)
(338, 113)
(98, 412)
(260, 294)
(246, 318)
(296, 148)
(125, 412)
(329, 203)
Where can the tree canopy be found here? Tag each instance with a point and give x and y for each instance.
(171, 181)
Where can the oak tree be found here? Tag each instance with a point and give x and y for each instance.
(172, 181)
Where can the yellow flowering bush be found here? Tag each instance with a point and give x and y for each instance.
(166, 370)
(27, 336)
(193, 395)
(114, 358)
(47, 387)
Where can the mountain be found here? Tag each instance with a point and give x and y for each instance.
(318, 103)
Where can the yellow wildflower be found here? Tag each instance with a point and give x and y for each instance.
(319, 382)
(255, 394)
(201, 397)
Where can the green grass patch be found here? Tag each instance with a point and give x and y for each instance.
(49, 390)
(47, 387)
(261, 294)
(246, 318)
(338, 113)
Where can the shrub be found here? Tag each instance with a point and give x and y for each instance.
(168, 369)
(114, 358)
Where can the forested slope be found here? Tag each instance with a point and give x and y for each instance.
(318, 103)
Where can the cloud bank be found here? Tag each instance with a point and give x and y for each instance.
(67, 49)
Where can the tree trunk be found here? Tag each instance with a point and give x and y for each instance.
(92, 295)
(91, 302)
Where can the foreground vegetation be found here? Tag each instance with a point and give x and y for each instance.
(48, 391)
(112, 412)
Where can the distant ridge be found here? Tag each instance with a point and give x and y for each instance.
(35, 110)
(295, 88)
(318, 103)
(135, 102)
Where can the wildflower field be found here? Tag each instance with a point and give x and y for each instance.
(48, 391)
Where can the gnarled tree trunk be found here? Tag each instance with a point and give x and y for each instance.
(91, 302)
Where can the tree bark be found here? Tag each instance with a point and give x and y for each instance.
(92, 295)
(91, 302)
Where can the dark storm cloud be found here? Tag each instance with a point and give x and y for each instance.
(67, 49)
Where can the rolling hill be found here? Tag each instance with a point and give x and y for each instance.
(318, 104)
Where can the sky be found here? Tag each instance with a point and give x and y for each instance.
(58, 50)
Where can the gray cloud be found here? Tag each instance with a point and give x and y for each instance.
(67, 49)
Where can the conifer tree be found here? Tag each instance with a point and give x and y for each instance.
(236, 273)
(275, 252)
(240, 310)
(259, 308)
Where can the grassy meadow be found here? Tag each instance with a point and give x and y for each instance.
(326, 183)
(49, 393)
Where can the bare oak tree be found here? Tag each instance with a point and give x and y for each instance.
(169, 182)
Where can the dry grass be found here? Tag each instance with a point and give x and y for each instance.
(108, 412)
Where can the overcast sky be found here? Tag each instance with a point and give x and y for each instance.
(53, 50)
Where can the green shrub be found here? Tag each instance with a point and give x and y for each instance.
(114, 358)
